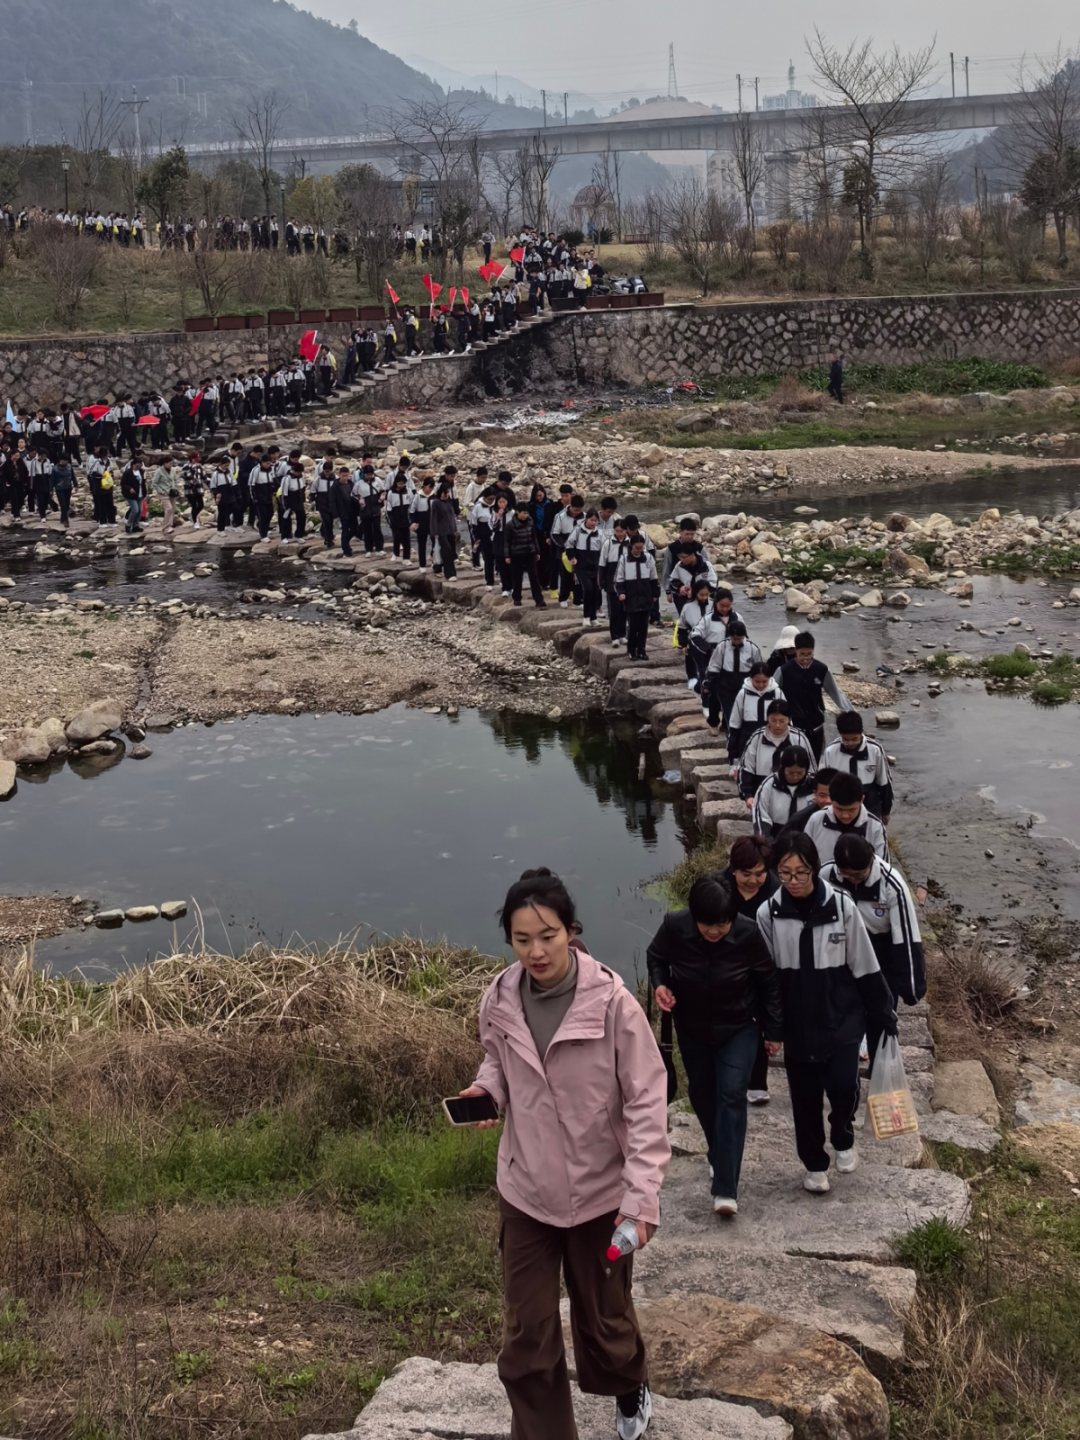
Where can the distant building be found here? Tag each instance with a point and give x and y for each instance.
(791, 99)
(593, 209)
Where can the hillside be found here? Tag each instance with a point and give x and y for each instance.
(196, 60)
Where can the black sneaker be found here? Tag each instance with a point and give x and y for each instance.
(633, 1413)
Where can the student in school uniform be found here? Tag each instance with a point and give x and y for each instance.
(524, 550)
(694, 610)
(340, 507)
(761, 752)
(367, 493)
(690, 570)
(583, 547)
(728, 667)
(480, 516)
(751, 708)
(398, 504)
(856, 754)
(889, 914)
(420, 519)
(225, 489)
(543, 511)
(444, 528)
(501, 515)
(614, 548)
(711, 630)
(781, 795)
(846, 815)
(638, 587)
(561, 529)
(806, 681)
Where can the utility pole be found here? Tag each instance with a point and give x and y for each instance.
(967, 77)
(136, 105)
(27, 88)
(757, 104)
(543, 98)
(952, 70)
(738, 81)
(566, 107)
(672, 83)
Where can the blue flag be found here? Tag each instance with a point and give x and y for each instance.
(10, 417)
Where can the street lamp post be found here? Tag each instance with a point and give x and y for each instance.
(281, 187)
(66, 164)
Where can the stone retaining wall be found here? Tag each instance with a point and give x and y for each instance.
(592, 348)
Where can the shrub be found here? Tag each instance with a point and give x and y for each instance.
(1016, 666)
(936, 1249)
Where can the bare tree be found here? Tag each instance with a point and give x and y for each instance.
(69, 263)
(1042, 147)
(607, 177)
(778, 235)
(97, 127)
(372, 212)
(748, 150)
(702, 229)
(932, 192)
(876, 122)
(535, 162)
(823, 247)
(501, 182)
(257, 125)
(213, 275)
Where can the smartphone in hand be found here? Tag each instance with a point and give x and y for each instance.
(470, 1109)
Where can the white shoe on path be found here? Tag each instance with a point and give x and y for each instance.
(816, 1181)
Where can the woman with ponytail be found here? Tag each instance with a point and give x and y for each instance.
(572, 1063)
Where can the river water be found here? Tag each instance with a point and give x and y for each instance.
(310, 827)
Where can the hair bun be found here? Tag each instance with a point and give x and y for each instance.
(543, 873)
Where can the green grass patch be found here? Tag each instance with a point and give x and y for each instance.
(936, 1248)
(1040, 559)
(1016, 666)
(674, 887)
(820, 563)
(935, 377)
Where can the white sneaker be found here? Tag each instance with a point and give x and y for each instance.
(195, 525)
(632, 1427)
(723, 1206)
(505, 594)
(690, 684)
(422, 570)
(816, 1181)
(563, 604)
(489, 588)
(847, 1161)
(380, 553)
(758, 1097)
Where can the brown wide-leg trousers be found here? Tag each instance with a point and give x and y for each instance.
(608, 1349)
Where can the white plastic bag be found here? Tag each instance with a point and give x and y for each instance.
(890, 1105)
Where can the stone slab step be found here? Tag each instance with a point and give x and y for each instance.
(609, 662)
(708, 750)
(858, 1219)
(693, 743)
(862, 1304)
(662, 712)
(424, 1399)
(632, 678)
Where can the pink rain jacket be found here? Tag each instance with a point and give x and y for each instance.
(586, 1128)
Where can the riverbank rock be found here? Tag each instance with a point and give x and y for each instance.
(963, 1088)
(53, 730)
(7, 779)
(903, 563)
(1046, 1097)
(423, 1399)
(26, 746)
(704, 1344)
(98, 719)
(109, 919)
(887, 719)
(174, 909)
(138, 913)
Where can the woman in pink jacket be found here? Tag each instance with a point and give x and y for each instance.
(573, 1065)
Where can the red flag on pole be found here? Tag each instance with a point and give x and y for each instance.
(464, 295)
(148, 420)
(518, 254)
(196, 401)
(391, 292)
(453, 295)
(433, 289)
(95, 411)
(309, 345)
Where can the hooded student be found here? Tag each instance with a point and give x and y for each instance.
(420, 511)
(615, 547)
(728, 667)
(806, 681)
(398, 507)
(751, 707)
(691, 568)
(693, 612)
(711, 630)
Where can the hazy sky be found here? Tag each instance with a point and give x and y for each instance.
(614, 48)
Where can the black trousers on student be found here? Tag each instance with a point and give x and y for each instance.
(422, 540)
(448, 555)
(616, 616)
(810, 1081)
(520, 566)
(487, 553)
(589, 581)
(402, 535)
(264, 513)
(637, 633)
(371, 531)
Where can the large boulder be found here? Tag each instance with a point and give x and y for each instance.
(26, 746)
(704, 1345)
(963, 1088)
(652, 455)
(7, 779)
(904, 563)
(53, 730)
(99, 718)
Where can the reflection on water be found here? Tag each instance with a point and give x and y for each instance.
(316, 825)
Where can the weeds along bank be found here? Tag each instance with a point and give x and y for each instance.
(225, 1199)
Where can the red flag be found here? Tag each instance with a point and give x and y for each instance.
(432, 288)
(518, 254)
(309, 345)
(148, 420)
(195, 403)
(95, 411)
(453, 295)
(391, 292)
(464, 295)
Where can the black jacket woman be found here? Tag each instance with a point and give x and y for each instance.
(709, 968)
(751, 883)
(542, 512)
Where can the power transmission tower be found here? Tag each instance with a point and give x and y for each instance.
(672, 83)
(136, 105)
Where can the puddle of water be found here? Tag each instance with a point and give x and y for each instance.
(311, 827)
